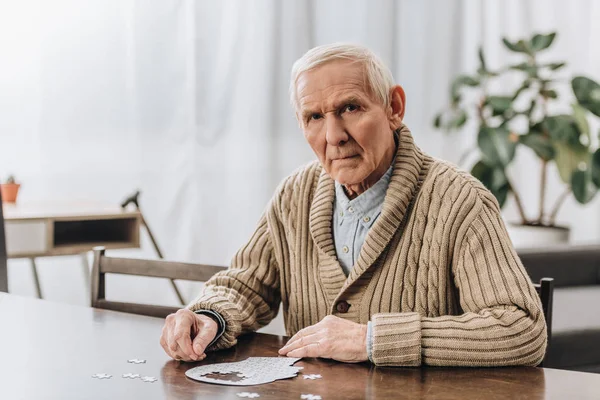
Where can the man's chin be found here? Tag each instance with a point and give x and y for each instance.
(346, 179)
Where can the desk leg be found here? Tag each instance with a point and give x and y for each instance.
(86, 274)
(36, 278)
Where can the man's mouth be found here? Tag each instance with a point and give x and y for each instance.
(345, 158)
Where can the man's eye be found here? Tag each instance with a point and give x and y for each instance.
(350, 108)
(314, 117)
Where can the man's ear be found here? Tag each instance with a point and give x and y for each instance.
(397, 107)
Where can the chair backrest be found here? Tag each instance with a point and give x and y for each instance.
(568, 265)
(150, 268)
(545, 289)
(3, 254)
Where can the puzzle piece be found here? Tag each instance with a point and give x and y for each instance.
(136, 361)
(312, 376)
(131, 376)
(310, 397)
(102, 376)
(149, 379)
(248, 395)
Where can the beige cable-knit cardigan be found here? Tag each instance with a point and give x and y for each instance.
(442, 283)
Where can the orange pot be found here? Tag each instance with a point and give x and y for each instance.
(9, 192)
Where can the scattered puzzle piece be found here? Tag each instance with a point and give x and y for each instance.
(102, 376)
(136, 361)
(310, 397)
(248, 395)
(312, 376)
(131, 376)
(149, 379)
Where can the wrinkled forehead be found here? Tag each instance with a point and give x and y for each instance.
(333, 79)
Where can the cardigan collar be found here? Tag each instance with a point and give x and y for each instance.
(408, 171)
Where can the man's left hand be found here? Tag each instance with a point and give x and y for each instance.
(333, 337)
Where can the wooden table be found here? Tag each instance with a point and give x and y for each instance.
(50, 351)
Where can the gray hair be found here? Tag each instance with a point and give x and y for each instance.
(379, 78)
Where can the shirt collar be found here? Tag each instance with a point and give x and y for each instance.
(367, 205)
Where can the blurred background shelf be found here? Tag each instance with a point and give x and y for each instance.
(68, 228)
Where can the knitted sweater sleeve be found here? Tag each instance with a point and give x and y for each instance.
(502, 322)
(247, 294)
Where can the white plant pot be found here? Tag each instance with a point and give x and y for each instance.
(527, 236)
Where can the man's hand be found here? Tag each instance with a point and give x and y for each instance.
(186, 335)
(333, 337)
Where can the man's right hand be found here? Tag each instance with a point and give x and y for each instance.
(186, 335)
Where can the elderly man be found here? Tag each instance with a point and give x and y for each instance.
(378, 251)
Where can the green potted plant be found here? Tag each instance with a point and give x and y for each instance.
(10, 190)
(521, 117)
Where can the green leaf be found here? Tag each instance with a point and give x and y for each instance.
(459, 82)
(587, 93)
(452, 119)
(562, 128)
(531, 108)
(549, 93)
(540, 144)
(540, 42)
(520, 67)
(437, 122)
(482, 59)
(569, 158)
(519, 47)
(496, 146)
(582, 186)
(485, 72)
(459, 120)
(494, 179)
(596, 168)
(532, 70)
(526, 84)
(555, 66)
(499, 104)
(579, 115)
(501, 194)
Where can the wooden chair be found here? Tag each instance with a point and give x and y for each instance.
(545, 289)
(3, 254)
(150, 268)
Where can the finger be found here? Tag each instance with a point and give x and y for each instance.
(309, 330)
(183, 336)
(181, 330)
(206, 335)
(310, 350)
(164, 340)
(300, 342)
(168, 333)
(163, 343)
(180, 355)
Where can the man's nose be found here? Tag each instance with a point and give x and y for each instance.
(336, 132)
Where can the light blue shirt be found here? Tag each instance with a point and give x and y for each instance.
(352, 220)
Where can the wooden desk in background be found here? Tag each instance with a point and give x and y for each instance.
(58, 229)
(50, 351)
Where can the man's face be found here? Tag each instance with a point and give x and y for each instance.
(348, 129)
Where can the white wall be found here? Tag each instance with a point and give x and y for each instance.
(188, 101)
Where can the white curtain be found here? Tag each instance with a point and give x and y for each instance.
(187, 101)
